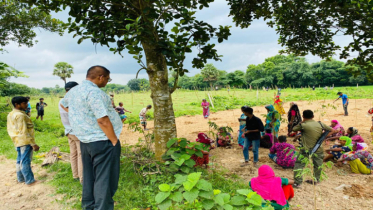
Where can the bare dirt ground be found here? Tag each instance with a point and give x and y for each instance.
(359, 196)
(15, 196)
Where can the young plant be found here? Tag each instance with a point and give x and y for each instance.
(192, 192)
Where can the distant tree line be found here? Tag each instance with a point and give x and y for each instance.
(281, 71)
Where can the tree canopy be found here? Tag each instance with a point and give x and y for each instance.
(18, 21)
(310, 27)
(63, 70)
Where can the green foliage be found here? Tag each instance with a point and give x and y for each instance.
(18, 21)
(116, 88)
(63, 70)
(180, 151)
(210, 73)
(7, 71)
(224, 130)
(138, 84)
(192, 192)
(310, 27)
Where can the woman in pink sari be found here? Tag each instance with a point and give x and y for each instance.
(336, 126)
(275, 189)
(206, 108)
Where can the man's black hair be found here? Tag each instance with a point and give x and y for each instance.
(339, 93)
(149, 106)
(93, 67)
(70, 85)
(282, 139)
(268, 131)
(28, 97)
(18, 100)
(41, 98)
(247, 109)
(308, 114)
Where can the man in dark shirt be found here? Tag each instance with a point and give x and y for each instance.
(254, 126)
(40, 108)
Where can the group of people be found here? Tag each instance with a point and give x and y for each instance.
(92, 124)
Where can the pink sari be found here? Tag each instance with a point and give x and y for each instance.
(268, 186)
(206, 109)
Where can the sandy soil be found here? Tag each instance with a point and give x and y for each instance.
(359, 196)
(20, 196)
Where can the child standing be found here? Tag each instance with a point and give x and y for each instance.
(21, 131)
(142, 116)
(40, 108)
(121, 111)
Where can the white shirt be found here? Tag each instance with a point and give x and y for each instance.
(143, 112)
(65, 119)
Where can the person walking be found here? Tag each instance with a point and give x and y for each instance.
(345, 101)
(311, 132)
(142, 116)
(97, 125)
(21, 130)
(74, 143)
(40, 108)
(251, 133)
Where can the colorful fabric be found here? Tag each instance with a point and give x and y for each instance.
(338, 154)
(120, 110)
(278, 105)
(355, 132)
(206, 109)
(285, 154)
(200, 161)
(241, 141)
(344, 98)
(203, 138)
(28, 110)
(348, 141)
(364, 156)
(20, 128)
(357, 167)
(122, 116)
(272, 115)
(143, 120)
(293, 111)
(337, 125)
(224, 139)
(65, 120)
(288, 191)
(268, 186)
(87, 103)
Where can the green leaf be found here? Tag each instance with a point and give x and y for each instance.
(185, 169)
(177, 196)
(165, 205)
(190, 163)
(254, 199)
(208, 204)
(180, 178)
(161, 196)
(217, 192)
(219, 199)
(204, 185)
(208, 195)
(226, 197)
(164, 187)
(238, 200)
(228, 207)
(183, 143)
(199, 153)
(179, 162)
(244, 192)
(190, 196)
(171, 142)
(185, 156)
(190, 151)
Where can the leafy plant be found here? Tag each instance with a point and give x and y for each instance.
(178, 156)
(216, 129)
(192, 192)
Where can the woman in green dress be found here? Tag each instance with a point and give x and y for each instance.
(272, 120)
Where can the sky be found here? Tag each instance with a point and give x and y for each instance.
(244, 47)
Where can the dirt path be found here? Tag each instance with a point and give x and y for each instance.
(15, 196)
(357, 197)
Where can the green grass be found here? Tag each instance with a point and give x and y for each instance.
(134, 190)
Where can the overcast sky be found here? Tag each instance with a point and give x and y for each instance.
(244, 47)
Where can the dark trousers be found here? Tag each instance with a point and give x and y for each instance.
(299, 165)
(101, 165)
(345, 109)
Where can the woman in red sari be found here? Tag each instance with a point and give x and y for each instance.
(206, 108)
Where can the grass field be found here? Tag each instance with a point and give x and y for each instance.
(50, 133)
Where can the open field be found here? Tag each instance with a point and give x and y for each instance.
(49, 133)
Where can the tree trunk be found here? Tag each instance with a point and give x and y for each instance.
(164, 117)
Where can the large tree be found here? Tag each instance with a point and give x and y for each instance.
(140, 27)
(310, 26)
(18, 21)
(210, 74)
(63, 70)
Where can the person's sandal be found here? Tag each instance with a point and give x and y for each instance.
(297, 186)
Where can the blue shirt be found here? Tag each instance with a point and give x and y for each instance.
(86, 104)
(344, 98)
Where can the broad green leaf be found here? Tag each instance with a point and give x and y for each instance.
(255, 200)
(185, 156)
(208, 195)
(219, 199)
(204, 185)
(165, 205)
(190, 196)
(164, 187)
(171, 142)
(180, 178)
(190, 163)
(227, 207)
(208, 204)
(179, 162)
(238, 200)
(183, 143)
(194, 177)
(173, 167)
(175, 156)
(188, 185)
(226, 197)
(244, 192)
(177, 196)
(161, 196)
(190, 151)
(185, 169)
(199, 153)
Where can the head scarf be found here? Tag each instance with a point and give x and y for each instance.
(348, 141)
(354, 132)
(268, 186)
(359, 147)
(278, 100)
(203, 138)
(298, 117)
(270, 107)
(337, 126)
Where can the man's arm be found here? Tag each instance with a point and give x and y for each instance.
(22, 126)
(64, 108)
(337, 99)
(297, 127)
(108, 129)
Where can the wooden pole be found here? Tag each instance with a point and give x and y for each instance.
(211, 100)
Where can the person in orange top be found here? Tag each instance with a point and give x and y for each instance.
(21, 131)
